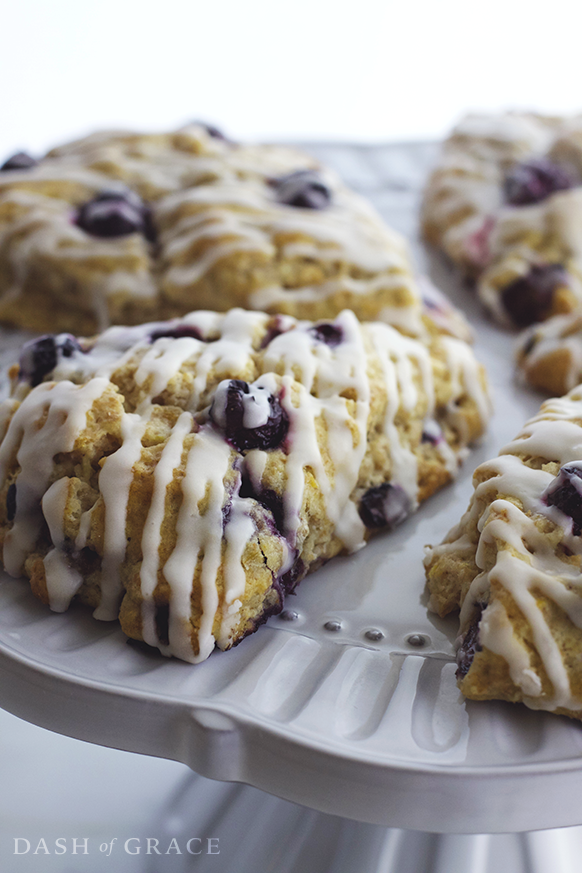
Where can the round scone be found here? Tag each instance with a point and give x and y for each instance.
(513, 565)
(550, 354)
(505, 204)
(121, 228)
(184, 476)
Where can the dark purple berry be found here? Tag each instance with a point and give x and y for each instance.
(20, 161)
(266, 497)
(329, 334)
(11, 502)
(304, 188)
(469, 645)
(384, 506)
(162, 618)
(248, 415)
(529, 298)
(116, 213)
(291, 579)
(39, 357)
(210, 129)
(535, 180)
(432, 432)
(275, 328)
(177, 332)
(565, 493)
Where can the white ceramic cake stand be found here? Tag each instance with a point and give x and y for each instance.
(346, 705)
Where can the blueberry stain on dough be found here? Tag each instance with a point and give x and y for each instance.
(384, 506)
(534, 180)
(565, 493)
(19, 161)
(304, 189)
(528, 299)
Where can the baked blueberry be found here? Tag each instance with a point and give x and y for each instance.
(529, 298)
(177, 332)
(162, 619)
(565, 493)
(39, 357)
(19, 161)
(384, 506)
(116, 213)
(304, 188)
(469, 645)
(248, 415)
(327, 333)
(11, 502)
(210, 129)
(535, 180)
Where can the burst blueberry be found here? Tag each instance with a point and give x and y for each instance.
(248, 415)
(384, 506)
(304, 189)
(116, 213)
(19, 161)
(534, 180)
(565, 493)
(210, 129)
(11, 502)
(39, 357)
(470, 644)
(529, 299)
(327, 333)
(181, 330)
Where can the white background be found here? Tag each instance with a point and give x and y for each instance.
(356, 70)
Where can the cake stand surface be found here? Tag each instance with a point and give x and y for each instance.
(363, 721)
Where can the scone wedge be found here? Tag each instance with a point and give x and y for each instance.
(184, 476)
(513, 566)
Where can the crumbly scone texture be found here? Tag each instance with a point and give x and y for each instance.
(505, 205)
(215, 225)
(184, 476)
(513, 567)
(549, 354)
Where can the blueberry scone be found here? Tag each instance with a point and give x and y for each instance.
(184, 476)
(549, 354)
(505, 204)
(121, 228)
(513, 566)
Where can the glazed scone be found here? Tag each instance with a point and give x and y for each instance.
(513, 566)
(121, 228)
(505, 204)
(549, 354)
(184, 476)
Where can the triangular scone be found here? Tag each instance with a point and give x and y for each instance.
(185, 475)
(514, 567)
(122, 228)
(505, 204)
